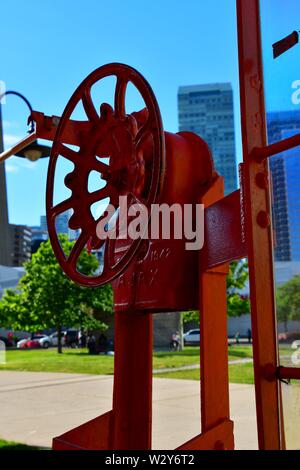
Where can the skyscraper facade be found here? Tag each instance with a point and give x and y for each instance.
(62, 225)
(21, 244)
(285, 171)
(207, 110)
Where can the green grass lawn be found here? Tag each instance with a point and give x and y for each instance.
(10, 445)
(80, 362)
(48, 360)
(238, 373)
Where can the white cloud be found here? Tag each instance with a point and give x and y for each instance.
(10, 139)
(10, 124)
(23, 162)
(11, 168)
(15, 164)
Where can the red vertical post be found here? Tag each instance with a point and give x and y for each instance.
(258, 224)
(214, 347)
(213, 337)
(132, 396)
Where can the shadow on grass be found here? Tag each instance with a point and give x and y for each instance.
(85, 353)
(183, 353)
(239, 353)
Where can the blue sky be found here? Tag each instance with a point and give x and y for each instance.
(49, 47)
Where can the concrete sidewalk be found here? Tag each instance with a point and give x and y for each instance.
(36, 406)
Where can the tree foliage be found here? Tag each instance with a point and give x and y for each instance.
(288, 300)
(237, 304)
(45, 297)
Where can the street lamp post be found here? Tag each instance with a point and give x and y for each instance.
(32, 151)
(5, 245)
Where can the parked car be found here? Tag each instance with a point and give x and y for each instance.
(7, 341)
(33, 343)
(71, 338)
(192, 337)
(36, 341)
(28, 343)
(22, 343)
(54, 338)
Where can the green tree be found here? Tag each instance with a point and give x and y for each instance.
(45, 297)
(288, 301)
(237, 305)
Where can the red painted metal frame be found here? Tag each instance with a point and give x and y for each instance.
(213, 331)
(19, 146)
(236, 226)
(219, 437)
(288, 373)
(132, 396)
(258, 225)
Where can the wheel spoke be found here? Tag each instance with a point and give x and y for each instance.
(89, 106)
(61, 207)
(120, 97)
(102, 193)
(77, 248)
(101, 167)
(66, 152)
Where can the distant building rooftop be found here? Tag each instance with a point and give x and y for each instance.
(203, 88)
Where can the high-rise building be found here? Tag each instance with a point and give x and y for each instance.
(285, 170)
(207, 110)
(38, 236)
(62, 225)
(21, 244)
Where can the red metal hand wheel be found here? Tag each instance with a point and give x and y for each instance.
(134, 145)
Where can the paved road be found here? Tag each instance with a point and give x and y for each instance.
(35, 406)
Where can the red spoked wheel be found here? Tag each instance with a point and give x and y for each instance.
(134, 145)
